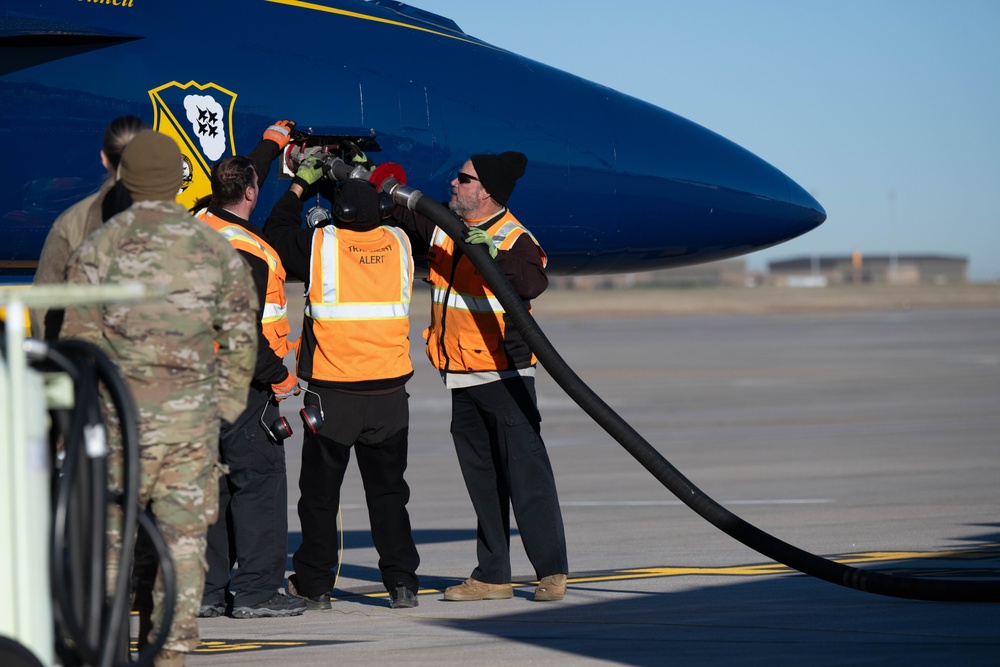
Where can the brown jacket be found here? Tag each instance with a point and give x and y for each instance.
(67, 234)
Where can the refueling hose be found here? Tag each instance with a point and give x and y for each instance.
(749, 535)
(96, 628)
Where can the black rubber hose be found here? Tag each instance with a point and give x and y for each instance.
(751, 536)
(63, 560)
(148, 653)
(86, 364)
(116, 616)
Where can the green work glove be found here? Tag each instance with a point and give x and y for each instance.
(310, 171)
(477, 235)
(354, 156)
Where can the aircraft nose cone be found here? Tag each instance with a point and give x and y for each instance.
(813, 213)
(682, 195)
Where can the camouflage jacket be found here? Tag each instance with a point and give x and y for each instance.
(188, 357)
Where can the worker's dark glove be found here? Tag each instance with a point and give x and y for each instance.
(477, 235)
(280, 133)
(354, 156)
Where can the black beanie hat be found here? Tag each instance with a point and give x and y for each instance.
(497, 173)
(363, 198)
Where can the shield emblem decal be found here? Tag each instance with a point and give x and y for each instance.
(199, 118)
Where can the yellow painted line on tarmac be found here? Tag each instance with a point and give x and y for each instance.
(217, 646)
(754, 570)
(981, 552)
(621, 575)
(240, 645)
(736, 570)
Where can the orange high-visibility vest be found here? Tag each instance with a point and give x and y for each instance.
(467, 330)
(274, 316)
(356, 326)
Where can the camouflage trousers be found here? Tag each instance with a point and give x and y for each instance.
(179, 483)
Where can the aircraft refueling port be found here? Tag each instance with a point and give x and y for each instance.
(344, 146)
(879, 583)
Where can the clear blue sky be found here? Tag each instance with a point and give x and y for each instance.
(887, 111)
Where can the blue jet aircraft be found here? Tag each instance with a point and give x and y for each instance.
(614, 184)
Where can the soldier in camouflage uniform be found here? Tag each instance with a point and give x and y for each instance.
(187, 357)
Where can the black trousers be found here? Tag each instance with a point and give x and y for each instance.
(496, 429)
(252, 528)
(376, 427)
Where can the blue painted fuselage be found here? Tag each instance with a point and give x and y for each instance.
(613, 185)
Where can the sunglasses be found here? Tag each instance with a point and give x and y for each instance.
(465, 178)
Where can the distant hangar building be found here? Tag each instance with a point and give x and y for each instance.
(856, 269)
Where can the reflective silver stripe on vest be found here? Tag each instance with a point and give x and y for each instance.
(509, 228)
(468, 302)
(234, 232)
(272, 312)
(473, 304)
(329, 309)
(438, 237)
(506, 230)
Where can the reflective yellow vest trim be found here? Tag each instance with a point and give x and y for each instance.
(357, 323)
(274, 316)
(467, 331)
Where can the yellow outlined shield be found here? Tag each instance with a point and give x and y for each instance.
(199, 118)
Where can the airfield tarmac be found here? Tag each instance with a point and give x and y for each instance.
(863, 434)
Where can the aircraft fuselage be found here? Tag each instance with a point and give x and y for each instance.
(614, 184)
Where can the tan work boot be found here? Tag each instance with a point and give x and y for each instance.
(167, 658)
(470, 589)
(551, 588)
